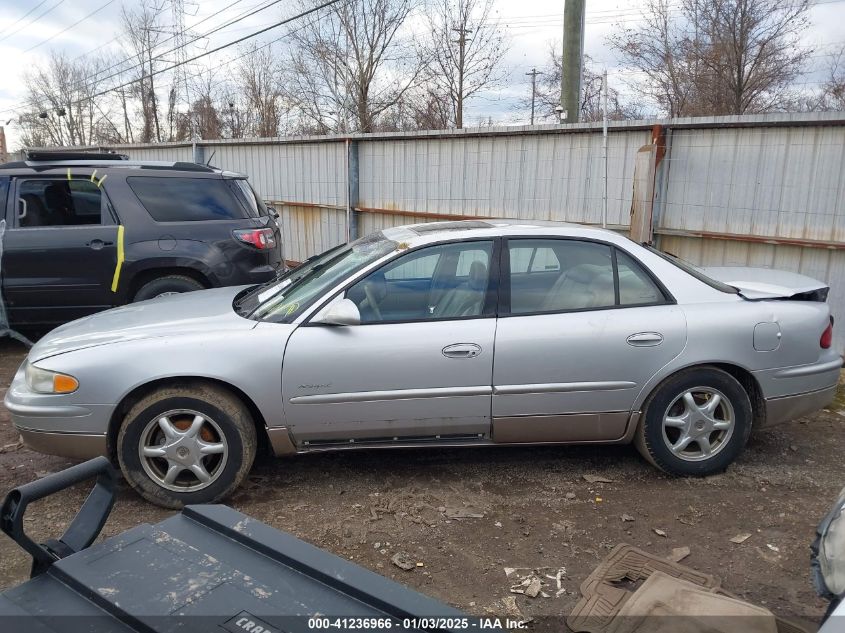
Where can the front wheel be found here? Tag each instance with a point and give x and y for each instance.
(185, 444)
(696, 423)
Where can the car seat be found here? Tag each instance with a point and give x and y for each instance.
(467, 299)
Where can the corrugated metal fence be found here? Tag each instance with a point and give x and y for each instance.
(749, 190)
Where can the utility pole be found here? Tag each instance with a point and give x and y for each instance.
(533, 74)
(604, 144)
(462, 32)
(573, 60)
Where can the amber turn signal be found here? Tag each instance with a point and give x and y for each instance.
(63, 383)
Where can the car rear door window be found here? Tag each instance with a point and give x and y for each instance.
(46, 202)
(186, 199)
(561, 275)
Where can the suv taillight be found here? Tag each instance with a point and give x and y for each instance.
(827, 336)
(261, 239)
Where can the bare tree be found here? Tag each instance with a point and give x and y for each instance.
(202, 120)
(351, 65)
(660, 49)
(716, 56)
(142, 29)
(548, 93)
(465, 52)
(260, 73)
(60, 103)
(833, 90)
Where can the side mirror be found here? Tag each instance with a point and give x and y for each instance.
(343, 312)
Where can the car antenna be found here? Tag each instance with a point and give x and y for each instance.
(208, 162)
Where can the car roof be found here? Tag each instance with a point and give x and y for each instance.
(418, 234)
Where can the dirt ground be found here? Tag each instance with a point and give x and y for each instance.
(538, 511)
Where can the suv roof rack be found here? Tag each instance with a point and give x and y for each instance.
(41, 156)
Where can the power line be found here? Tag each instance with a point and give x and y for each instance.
(33, 21)
(83, 82)
(23, 17)
(209, 52)
(66, 29)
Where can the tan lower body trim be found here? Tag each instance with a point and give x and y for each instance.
(72, 445)
(576, 427)
(280, 441)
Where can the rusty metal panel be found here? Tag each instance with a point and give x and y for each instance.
(307, 231)
(786, 182)
(825, 264)
(314, 173)
(543, 177)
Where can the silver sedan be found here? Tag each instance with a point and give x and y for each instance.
(445, 334)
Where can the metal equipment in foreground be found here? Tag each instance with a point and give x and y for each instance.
(207, 568)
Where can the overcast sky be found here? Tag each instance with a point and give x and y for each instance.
(531, 25)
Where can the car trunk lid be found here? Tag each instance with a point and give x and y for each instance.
(767, 283)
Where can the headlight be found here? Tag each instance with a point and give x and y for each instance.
(44, 381)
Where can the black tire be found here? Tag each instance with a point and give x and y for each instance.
(227, 422)
(652, 440)
(167, 284)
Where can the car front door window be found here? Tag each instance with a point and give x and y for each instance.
(438, 282)
(49, 203)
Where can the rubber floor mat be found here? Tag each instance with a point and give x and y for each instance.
(606, 590)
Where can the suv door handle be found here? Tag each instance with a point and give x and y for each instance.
(645, 339)
(98, 244)
(462, 350)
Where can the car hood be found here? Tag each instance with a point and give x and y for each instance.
(767, 283)
(173, 315)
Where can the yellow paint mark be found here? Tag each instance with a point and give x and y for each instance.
(100, 181)
(119, 264)
(68, 174)
(94, 176)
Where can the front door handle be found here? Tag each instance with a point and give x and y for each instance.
(462, 350)
(645, 339)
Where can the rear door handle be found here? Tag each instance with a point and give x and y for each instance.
(462, 350)
(645, 339)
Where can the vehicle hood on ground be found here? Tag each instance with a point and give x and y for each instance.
(767, 283)
(189, 313)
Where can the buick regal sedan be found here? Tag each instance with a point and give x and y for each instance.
(444, 334)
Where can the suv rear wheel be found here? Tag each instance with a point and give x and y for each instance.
(192, 443)
(168, 285)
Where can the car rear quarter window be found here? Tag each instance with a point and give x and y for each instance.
(635, 286)
(186, 199)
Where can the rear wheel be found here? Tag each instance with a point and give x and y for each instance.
(187, 444)
(168, 285)
(696, 423)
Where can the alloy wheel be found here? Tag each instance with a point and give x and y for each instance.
(698, 424)
(183, 450)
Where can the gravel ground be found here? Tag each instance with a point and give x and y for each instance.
(537, 511)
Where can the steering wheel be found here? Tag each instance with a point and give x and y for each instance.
(368, 292)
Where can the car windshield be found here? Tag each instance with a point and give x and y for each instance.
(693, 270)
(284, 299)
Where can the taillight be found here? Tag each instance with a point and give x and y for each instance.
(827, 336)
(259, 238)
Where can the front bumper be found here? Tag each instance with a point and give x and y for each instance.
(790, 407)
(56, 425)
(71, 445)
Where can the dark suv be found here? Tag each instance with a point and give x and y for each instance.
(85, 232)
